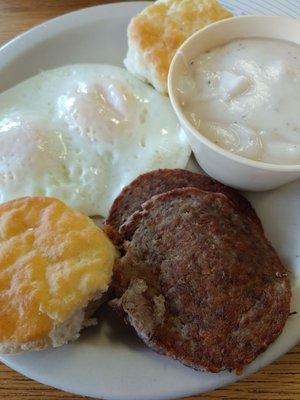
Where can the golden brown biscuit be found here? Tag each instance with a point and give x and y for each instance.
(155, 34)
(53, 262)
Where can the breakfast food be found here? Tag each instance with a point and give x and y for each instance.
(159, 181)
(82, 132)
(199, 281)
(244, 96)
(55, 266)
(155, 34)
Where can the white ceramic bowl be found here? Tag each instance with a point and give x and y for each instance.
(222, 165)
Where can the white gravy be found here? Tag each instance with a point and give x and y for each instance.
(245, 97)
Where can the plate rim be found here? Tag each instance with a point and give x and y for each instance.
(40, 32)
(18, 45)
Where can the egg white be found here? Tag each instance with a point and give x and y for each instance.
(81, 133)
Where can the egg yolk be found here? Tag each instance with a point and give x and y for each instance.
(101, 111)
(28, 148)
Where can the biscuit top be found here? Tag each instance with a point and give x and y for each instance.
(162, 27)
(52, 262)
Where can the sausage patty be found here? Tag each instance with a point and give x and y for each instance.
(162, 180)
(199, 281)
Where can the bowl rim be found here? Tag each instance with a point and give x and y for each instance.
(183, 119)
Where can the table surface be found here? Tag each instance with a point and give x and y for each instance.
(279, 381)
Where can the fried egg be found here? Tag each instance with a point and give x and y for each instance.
(81, 133)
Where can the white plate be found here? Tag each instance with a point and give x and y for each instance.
(109, 361)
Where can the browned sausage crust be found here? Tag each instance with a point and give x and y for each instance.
(200, 282)
(163, 180)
